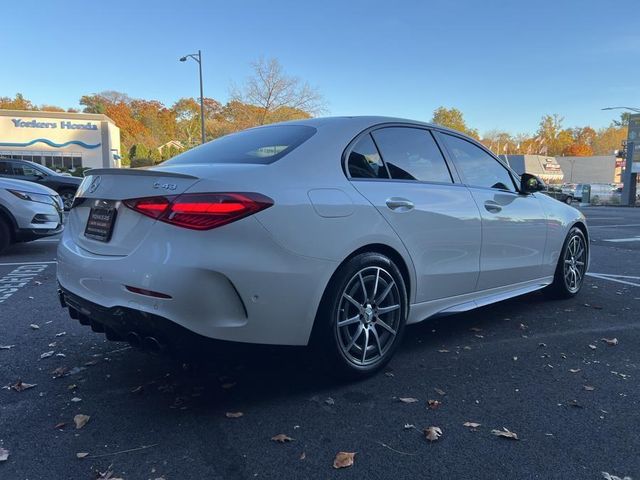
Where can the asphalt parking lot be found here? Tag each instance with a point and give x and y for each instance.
(539, 368)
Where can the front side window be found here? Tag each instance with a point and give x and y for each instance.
(261, 145)
(412, 154)
(364, 160)
(26, 170)
(478, 168)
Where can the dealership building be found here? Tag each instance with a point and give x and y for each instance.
(60, 140)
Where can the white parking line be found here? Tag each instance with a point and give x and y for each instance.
(19, 278)
(615, 278)
(619, 240)
(26, 263)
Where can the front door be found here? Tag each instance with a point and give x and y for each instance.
(514, 226)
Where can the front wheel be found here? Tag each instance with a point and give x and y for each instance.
(362, 316)
(572, 266)
(67, 197)
(5, 235)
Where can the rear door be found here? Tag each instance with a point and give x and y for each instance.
(403, 173)
(514, 226)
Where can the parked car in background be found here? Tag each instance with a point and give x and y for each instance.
(65, 185)
(557, 193)
(600, 193)
(28, 211)
(329, 232)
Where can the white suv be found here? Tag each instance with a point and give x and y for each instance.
(27, 211)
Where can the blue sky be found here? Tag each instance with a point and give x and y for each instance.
(503, 63)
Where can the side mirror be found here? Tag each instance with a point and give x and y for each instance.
(530, 183)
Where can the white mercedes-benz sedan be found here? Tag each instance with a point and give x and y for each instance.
(336, 232)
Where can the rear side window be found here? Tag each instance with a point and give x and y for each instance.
(412, 154)
(364, 160)
(261, 145)
(5, 168)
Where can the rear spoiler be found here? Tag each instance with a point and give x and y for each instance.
(136, 172)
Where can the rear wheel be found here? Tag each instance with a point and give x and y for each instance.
(572, 266)
(363, 315)
(5, 234)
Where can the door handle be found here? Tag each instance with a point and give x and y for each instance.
(492, 206)
(399, 204)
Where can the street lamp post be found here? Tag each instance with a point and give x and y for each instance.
(198, 58)
(629, 177)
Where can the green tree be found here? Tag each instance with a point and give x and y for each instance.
(454, 119)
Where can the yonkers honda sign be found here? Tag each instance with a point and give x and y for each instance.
(63, 124)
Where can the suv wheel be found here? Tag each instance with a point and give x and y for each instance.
(67, 198)
(5, 235)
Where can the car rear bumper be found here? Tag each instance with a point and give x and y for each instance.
(234, 283)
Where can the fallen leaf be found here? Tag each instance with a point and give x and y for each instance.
(610, 341)
(234, 414)
(515, 359)
(303, 456)
(589, 388)
(523, 326)
(471, 425)
(408, 426)
(592, 347)
(574, 370)
(281, 438)
(443, 351)
(19, 386)
(433, 404)
(389, 374)
(138, 389)
(344, 459)
(475, 329)
(90, 363)
(47, 354)
(4, 454)
(82, 454)
(34, 326)
(505, 433)
(408, 400)
(61, 334)
(432, 433)
(60, 426)
(330, 401)
(76, 399)
(478, 336)
(439, 391)
(81, 420)
(574, 403)
(6, 347)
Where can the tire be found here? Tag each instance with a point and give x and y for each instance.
(5, 235)
(67, 198)
(572, 266)
(351, 331)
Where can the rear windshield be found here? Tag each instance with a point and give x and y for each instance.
(259, 145)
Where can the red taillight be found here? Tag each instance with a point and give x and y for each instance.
(200, 211)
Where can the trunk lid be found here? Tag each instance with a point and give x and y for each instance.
(104, 190)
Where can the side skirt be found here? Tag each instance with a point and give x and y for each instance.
(463, 303)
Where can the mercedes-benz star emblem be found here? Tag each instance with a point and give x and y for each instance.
(95, 183)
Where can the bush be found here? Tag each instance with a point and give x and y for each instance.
(141, 162)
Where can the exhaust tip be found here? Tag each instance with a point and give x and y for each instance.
(134, 339)
(153, 345)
